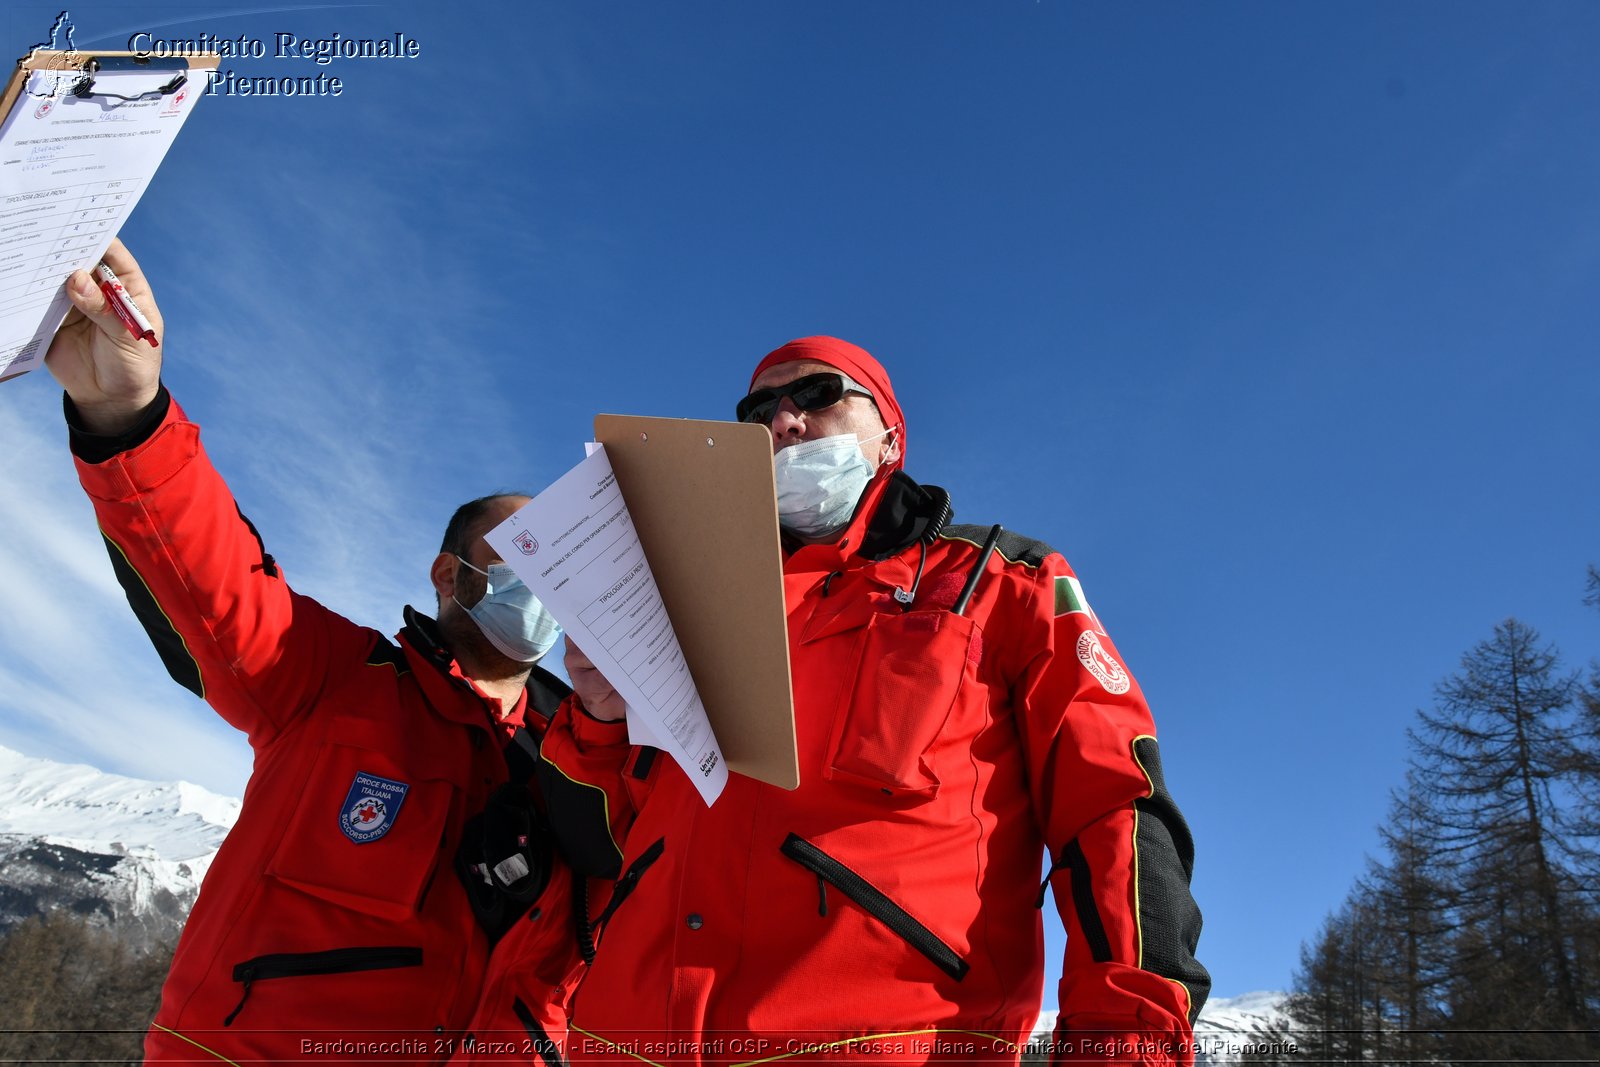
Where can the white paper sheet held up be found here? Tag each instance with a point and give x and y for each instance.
(575, 546)
(71, 170)
(639, 732)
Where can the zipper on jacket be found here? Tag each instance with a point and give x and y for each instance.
(630, 880)
(541, 1041)
(305, 964)
(873, 901)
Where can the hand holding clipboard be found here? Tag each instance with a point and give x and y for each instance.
(69, 178)
(111, 375)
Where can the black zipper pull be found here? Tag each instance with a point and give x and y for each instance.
(822, 897)
(248, 982)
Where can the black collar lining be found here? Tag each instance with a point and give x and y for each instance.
(907, 514)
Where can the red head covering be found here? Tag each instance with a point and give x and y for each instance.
(858, 364)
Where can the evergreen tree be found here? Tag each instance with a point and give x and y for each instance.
(1477, 937)
(1586, 765)
(1586, 807)
(1410, 904)
(1334, 1005)
(1492, 758)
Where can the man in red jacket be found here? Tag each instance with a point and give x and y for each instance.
(386, 835)
(957, 711)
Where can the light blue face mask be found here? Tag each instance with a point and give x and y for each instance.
(820, 483)
(510, 616)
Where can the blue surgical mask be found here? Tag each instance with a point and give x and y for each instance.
(820, 483)
(510, 616)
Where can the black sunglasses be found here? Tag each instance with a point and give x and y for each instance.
(810, 393)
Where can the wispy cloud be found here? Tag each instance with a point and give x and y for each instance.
(339, 395)
(78, 678)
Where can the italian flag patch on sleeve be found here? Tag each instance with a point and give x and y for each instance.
(1071, 601)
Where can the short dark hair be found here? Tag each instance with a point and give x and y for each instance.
(466, 525)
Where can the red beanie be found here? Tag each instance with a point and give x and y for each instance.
(854, 361)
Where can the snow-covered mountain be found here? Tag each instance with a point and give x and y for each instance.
(126, 853)
(1229, 1031)
(1233, 1030)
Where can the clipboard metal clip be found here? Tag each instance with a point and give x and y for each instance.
(85, 87)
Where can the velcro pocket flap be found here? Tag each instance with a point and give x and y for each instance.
(368, 831)
(910, 669)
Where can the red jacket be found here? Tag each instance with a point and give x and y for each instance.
(522, 1012)
(889, 905)
(332, 927)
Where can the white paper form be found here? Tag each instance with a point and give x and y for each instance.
(576, 547)
(639, 732)
(71, 170)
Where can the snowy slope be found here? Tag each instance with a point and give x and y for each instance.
(79, 806)
(125, 852)
(1226, 1033)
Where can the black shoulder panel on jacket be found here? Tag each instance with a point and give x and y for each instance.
(175, 655)
(385, 653)
(1013, 546)
(1169, 919)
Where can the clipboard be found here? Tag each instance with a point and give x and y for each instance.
(702, 499)
(84, 66)
(72, 170)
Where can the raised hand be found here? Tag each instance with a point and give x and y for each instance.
(110, 375)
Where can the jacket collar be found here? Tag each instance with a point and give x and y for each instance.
(421, 632)
(896, 512)
(906, 514)
(448, 689)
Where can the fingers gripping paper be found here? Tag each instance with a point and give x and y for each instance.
(576, 547)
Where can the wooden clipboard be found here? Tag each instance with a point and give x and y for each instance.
(702, 499)
(87, 63)
(172, 76)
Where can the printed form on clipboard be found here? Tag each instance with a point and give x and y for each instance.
(659, 555)
(80, 138)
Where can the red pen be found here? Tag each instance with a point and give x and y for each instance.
(124, 306)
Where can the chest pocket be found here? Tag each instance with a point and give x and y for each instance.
(911, 672)
(368, 831)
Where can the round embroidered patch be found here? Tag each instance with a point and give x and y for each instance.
(1112, 676)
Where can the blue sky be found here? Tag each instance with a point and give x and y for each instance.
(1278, 320)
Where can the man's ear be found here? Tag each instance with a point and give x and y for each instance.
(443, 574)
(891, 451)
